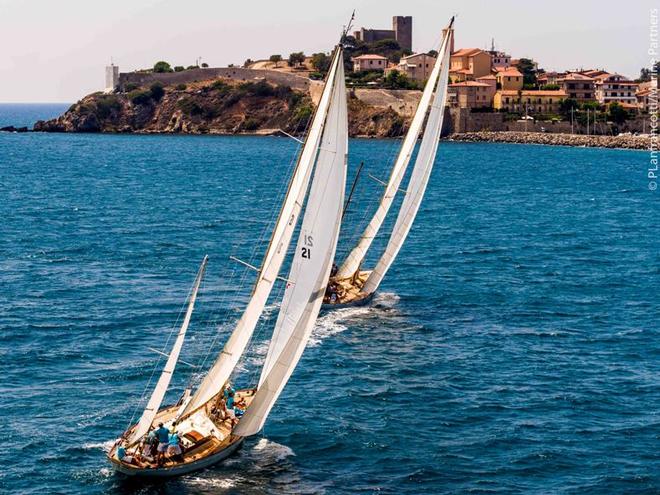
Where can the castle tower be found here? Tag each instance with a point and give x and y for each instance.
(402, 26)
(111, 77)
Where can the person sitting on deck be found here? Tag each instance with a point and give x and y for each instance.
(334, 270)
(229, 406)
(174, 448)
(331, 293)
(227, 390)
(240, 407)
(126, 458)
(163, 435)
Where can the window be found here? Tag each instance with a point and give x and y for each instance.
(506, 100)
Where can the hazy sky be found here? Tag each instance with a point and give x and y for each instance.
(56, 50)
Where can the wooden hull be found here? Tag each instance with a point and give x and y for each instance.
(178, 470)
(348, 290)
(355, 303)
(208, 440)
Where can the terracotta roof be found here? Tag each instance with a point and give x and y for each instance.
(461, 71)
(489, 76)
(574, 76)
(471, 83)
(533, 92)
(466, 52)
(643, 92)
(417, 55)
(370, 56)
(509, 71)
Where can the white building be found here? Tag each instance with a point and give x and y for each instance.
(611, 88)
(111, 78)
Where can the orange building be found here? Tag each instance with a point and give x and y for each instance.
(530, 101)
(467, 64)
(471, 94)
(509, 79)
(578, 86)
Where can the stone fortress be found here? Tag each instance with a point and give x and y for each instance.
(401, 31)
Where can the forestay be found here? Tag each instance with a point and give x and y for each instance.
(277, 249)
(357, 254)
(419, 177)
(163, 383)
(311, 264)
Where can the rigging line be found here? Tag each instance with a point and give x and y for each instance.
(156, 366)
(229, 309)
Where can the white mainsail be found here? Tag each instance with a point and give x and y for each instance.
(311, 264)
(163, 383)
(277, 249)
(419, 177)
(357, 254)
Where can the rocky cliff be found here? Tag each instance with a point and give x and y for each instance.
(214, 107)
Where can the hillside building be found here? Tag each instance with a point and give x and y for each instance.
(417, 67)
(615, 88)
(578, 86)
(529, 101)
(509, 79)
(467, 64)
(369, 62)
(470, 94)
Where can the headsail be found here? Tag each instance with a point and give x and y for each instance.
(163, 383)
(311, 264)
(277, 249)
(420, 174)
(355, 257)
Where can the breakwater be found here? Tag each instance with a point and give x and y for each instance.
(620, 141)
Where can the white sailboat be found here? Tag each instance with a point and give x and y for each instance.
(351, 285)
(207, 428)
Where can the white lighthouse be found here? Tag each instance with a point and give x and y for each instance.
(111, 77)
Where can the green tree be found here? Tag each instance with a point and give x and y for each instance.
(528, 68)
(296, 58)
(205, 65)
(276, 59)
(247, 63)
(321, 62)
(616, 113)
(550, 87)
(432, 53)
(567, 104)
(157, 91)
(396, 80)
(162, 66)
(179, 68)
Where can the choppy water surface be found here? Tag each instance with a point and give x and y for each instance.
(514, 347)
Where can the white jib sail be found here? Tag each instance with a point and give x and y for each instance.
(418, 179)
(163, 383)
(277, 249)
(311, 264)
(355, 257)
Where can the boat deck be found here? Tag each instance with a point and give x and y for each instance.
(205, 433)
(348, 290)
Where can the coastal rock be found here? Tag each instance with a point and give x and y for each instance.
(11, 128)
(215, 107)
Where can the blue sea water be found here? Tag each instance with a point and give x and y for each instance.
(26, 114)
(514, 347)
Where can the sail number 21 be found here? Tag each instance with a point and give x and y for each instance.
(308, 242)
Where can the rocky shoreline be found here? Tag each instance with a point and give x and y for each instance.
(555, 139)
